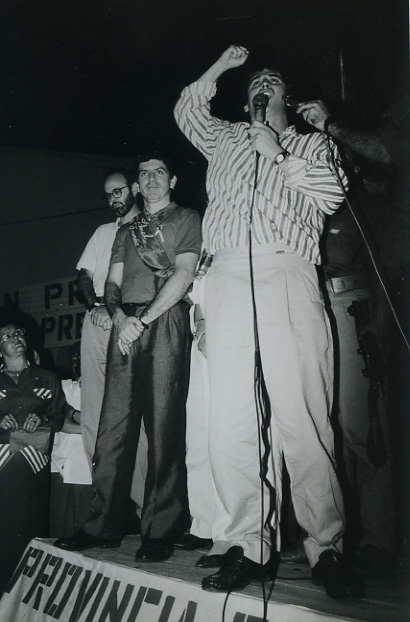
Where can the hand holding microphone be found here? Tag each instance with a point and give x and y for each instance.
(260, 103)
(263, 139)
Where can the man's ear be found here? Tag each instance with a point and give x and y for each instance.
(135, 188)
(173, 182)
(246, 108)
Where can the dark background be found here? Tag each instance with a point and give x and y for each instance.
(102, 76)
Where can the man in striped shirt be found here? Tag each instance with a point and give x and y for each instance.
(263, 224)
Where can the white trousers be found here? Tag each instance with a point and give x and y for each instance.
(201, 494)
(94, 344)
(297, 359)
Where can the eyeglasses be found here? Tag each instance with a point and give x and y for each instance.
(116, 193)
(19, 332)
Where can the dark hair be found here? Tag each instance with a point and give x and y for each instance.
(129, 175)
(15, 317)
(255, 69)
(156, 154)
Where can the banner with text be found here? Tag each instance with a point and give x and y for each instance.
(51, 584)
(55, 307)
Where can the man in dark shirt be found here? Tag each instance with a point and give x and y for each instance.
(152, 266)
(355, 292)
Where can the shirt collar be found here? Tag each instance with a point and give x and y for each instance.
(2, 366)
(159, 216)
(290, 130)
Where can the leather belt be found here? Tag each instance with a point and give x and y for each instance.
(340, 284)
(100, 299)
(133, 305)
(129, 306)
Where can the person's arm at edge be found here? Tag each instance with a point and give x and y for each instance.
(85, 284)
(86, 287)
(364, 142)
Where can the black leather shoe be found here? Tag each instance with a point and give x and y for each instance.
(154, 550)
(83, 541)
(295, 554)
(236, 572)
(189, 542)
(210, 561)
(339, 580)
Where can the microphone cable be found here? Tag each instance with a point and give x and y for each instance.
(263, 413)
(373, 260)
(263, 417)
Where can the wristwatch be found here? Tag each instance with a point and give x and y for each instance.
(95, 305)
(281, 157)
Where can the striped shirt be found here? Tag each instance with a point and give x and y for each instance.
(287, 207)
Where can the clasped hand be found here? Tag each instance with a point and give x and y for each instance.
(264, 140)
(101, 317)
(129, 330)
(30, 424)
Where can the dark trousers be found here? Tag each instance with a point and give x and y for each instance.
(150, 383)
(24, 507)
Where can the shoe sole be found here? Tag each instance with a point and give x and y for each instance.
(79, 549)
(267, 576)
(237, 586)
(146, 559)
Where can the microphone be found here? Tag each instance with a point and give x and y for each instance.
(260, 103)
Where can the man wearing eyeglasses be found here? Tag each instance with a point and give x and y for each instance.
(93, 266)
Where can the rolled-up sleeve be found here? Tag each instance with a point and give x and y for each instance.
(193, 116)
(117, 251)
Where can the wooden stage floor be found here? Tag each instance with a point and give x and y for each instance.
(386, 599)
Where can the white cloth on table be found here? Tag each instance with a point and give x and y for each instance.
(68, 456)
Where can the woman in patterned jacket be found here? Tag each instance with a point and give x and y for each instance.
(32, 406)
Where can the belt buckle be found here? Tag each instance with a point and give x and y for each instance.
(340, 284)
